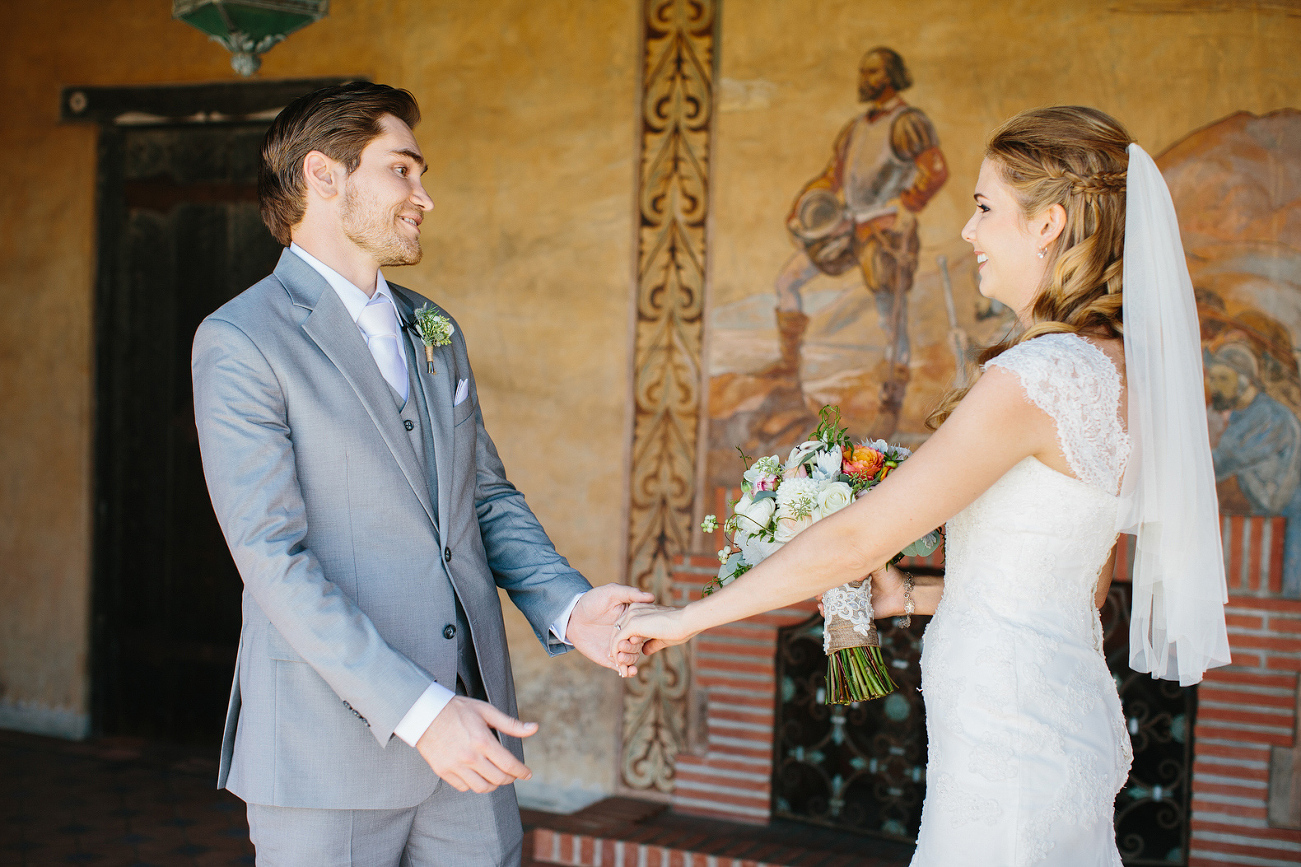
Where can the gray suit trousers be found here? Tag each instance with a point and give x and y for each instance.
(448, 829)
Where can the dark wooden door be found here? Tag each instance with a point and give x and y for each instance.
(180, 235)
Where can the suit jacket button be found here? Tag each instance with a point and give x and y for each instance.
(449, 632)
(409, 425)
(447, 555)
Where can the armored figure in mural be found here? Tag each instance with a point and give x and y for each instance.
(886, 164)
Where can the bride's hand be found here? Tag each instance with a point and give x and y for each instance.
(887, 592)
(822, 609)
(648, 628)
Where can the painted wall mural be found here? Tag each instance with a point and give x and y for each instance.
(1237, 187)
(846, 319)
(860, 213)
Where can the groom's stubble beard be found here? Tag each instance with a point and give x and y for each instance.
(373, 228)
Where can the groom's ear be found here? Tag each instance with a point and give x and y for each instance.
(324, 177)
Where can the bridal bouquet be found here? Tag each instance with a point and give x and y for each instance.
(780, 500)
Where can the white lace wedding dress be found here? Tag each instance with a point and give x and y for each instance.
(1027, 741)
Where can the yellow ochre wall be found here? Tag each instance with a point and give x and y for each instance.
(530, 130)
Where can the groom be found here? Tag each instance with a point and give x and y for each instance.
(372, 524)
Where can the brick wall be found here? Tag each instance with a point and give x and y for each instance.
(728, 772)
(1247, 711)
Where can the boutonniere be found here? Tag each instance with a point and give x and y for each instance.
(434, 329)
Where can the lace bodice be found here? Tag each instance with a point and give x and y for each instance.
(1075, 382)
(1027, 742)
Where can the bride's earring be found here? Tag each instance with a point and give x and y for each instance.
(1042, 252)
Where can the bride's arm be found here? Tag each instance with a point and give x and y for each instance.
(993, 429)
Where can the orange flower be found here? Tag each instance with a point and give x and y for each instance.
(862, 462)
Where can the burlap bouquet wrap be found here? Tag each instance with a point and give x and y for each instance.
(841, 632)
(855, 669)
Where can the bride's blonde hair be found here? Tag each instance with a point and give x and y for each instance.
(1075, 157)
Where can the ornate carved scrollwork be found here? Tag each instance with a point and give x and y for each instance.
(673, 202)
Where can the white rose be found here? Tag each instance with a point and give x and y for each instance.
(789, 528)
(754, 515)
(834, 497)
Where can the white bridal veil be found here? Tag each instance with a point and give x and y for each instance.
(1168, 495)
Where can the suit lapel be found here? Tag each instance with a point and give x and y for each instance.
(438, 390)
(333, 330)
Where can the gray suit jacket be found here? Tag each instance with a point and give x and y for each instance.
(350, 569)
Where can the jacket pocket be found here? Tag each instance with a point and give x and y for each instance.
(464, 411)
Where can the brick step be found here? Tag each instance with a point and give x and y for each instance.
(627, 832)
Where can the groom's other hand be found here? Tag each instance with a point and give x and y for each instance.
(461, 748)
(593, 623)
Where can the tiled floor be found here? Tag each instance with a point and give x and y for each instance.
(662, 833)
(119, 802)
(114, 802)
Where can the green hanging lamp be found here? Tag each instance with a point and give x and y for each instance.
(249, 28)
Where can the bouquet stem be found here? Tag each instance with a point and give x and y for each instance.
(855, 669)
(857, 674)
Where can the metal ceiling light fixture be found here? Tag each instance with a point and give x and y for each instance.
(249, 28)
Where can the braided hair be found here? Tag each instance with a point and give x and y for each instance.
(1075, 157)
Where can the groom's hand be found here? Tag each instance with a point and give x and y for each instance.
(592, 623)
(461, 748)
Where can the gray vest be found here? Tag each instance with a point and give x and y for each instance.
(413, 413)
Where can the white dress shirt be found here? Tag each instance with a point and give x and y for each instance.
(436, 697)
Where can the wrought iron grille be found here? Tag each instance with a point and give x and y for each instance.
(860, 767)
(863, 767)
(1152, 811)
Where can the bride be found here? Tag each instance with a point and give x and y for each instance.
(1089, 422)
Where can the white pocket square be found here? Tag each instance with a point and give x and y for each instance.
(462, 392)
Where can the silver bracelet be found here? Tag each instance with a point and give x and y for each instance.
(908, 605)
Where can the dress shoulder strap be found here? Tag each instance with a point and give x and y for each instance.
(1079, 387)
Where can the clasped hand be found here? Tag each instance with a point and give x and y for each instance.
(460, 745)
(646, 628)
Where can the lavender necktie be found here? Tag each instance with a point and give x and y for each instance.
(379, 323)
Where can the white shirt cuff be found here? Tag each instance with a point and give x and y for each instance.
(422, 713)
(560, 629)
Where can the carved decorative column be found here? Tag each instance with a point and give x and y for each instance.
(679, 39)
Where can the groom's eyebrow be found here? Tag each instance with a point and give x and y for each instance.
(414, 157)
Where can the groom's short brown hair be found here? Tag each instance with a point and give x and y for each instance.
(339, 121)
